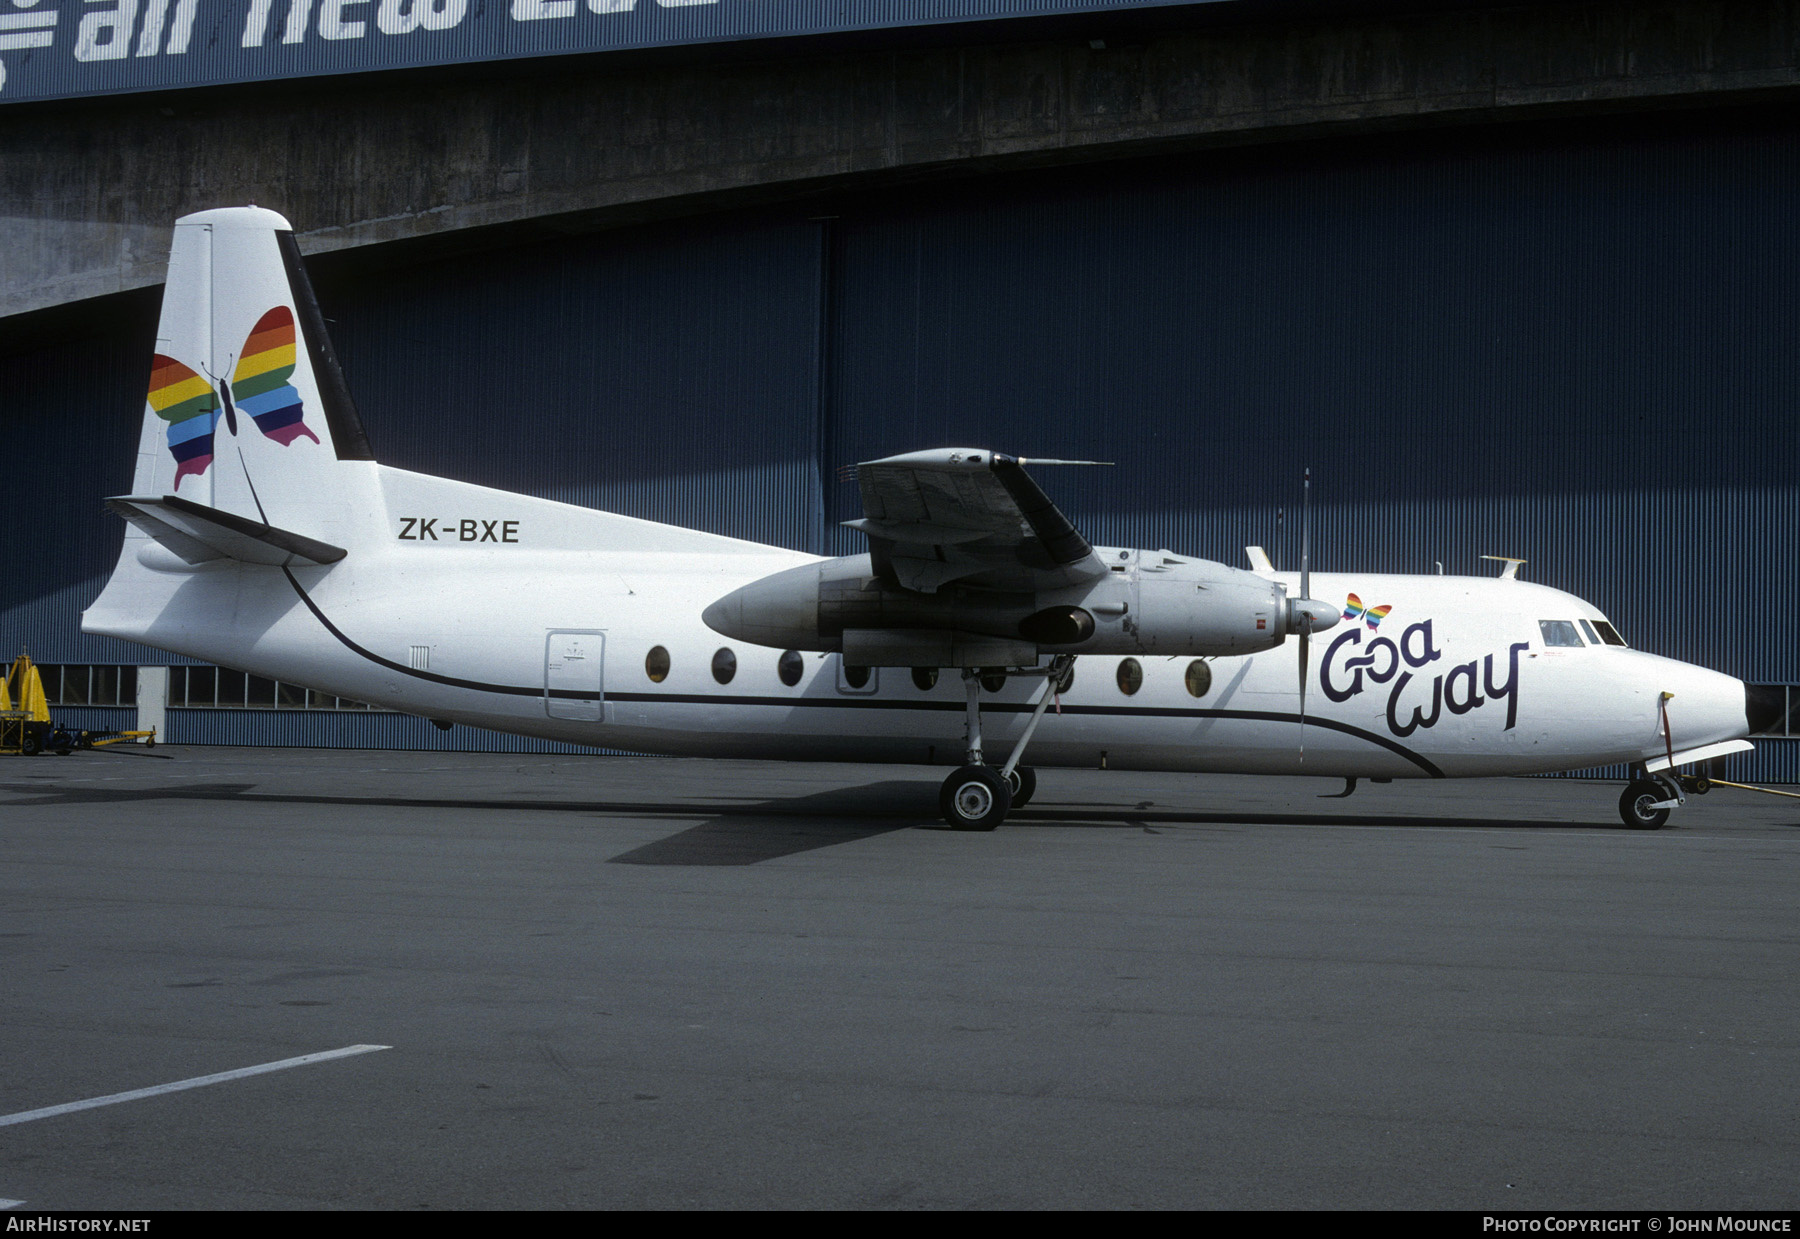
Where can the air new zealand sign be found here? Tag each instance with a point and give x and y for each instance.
(53, 49)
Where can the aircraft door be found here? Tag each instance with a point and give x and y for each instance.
(574, 673)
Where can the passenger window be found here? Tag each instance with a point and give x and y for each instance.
(925, 678)
(1559, 633)
(790, 667)
(724, 666)
(1131, 676)
(656, 664)
(1199, 678)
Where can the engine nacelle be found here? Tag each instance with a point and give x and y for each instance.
(1150, 602)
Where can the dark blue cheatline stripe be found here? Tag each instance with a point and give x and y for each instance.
(391, 665)
(863, 703)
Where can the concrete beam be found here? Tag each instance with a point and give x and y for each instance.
(88, 191)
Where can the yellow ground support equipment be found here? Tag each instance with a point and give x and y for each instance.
(26, 729)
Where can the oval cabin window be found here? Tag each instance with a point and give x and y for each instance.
(1199, 678)
(724, 666)
(790, 667)
(656, 664)
(1131, 676)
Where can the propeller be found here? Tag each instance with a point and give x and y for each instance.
(1306, 618)
(1305, 615)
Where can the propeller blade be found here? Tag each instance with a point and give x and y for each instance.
(1305, 535)
(1305, 658)
(1306, 619)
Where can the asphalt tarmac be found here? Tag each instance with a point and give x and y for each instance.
(628, 983)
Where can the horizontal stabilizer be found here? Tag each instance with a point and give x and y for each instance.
(197, 534)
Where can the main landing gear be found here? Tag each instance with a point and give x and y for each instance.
(978, 797)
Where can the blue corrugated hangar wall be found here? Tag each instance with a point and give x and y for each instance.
(1574, 344)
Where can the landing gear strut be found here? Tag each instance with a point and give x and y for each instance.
(977, 796)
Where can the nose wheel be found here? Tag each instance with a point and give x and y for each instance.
(1647, 801)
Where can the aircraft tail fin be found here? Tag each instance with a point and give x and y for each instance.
(247, 412)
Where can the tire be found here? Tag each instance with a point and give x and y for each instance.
(30, 744)
(975, 798)
(61, 742)
(1634, 806)
(1023, 785)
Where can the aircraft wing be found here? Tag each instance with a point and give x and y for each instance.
(970, 515)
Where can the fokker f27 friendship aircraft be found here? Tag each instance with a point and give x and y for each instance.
(264, 536)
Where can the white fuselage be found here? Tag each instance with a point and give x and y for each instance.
(538, 637)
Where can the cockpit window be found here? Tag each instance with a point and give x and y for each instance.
(1608, 633)
(1588, 629)
(1559, 632)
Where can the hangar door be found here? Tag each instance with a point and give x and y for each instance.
(574, 672)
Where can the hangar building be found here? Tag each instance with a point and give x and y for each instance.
(1516, 280)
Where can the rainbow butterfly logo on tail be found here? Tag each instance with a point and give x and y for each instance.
(259, 386)
(1354, 610)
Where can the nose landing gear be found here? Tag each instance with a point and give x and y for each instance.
(1647, 801)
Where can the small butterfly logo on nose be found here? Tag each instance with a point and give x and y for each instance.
(1354, 610)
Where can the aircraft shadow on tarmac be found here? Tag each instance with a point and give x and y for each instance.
(740, 834)
(746, 833)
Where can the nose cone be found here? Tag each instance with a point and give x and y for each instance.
(1765, 706)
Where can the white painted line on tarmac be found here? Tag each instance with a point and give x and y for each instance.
(26, 1116)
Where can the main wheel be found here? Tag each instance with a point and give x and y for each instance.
(1023, 785)
(1634, 805)
(30, 744)
(975, 798)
